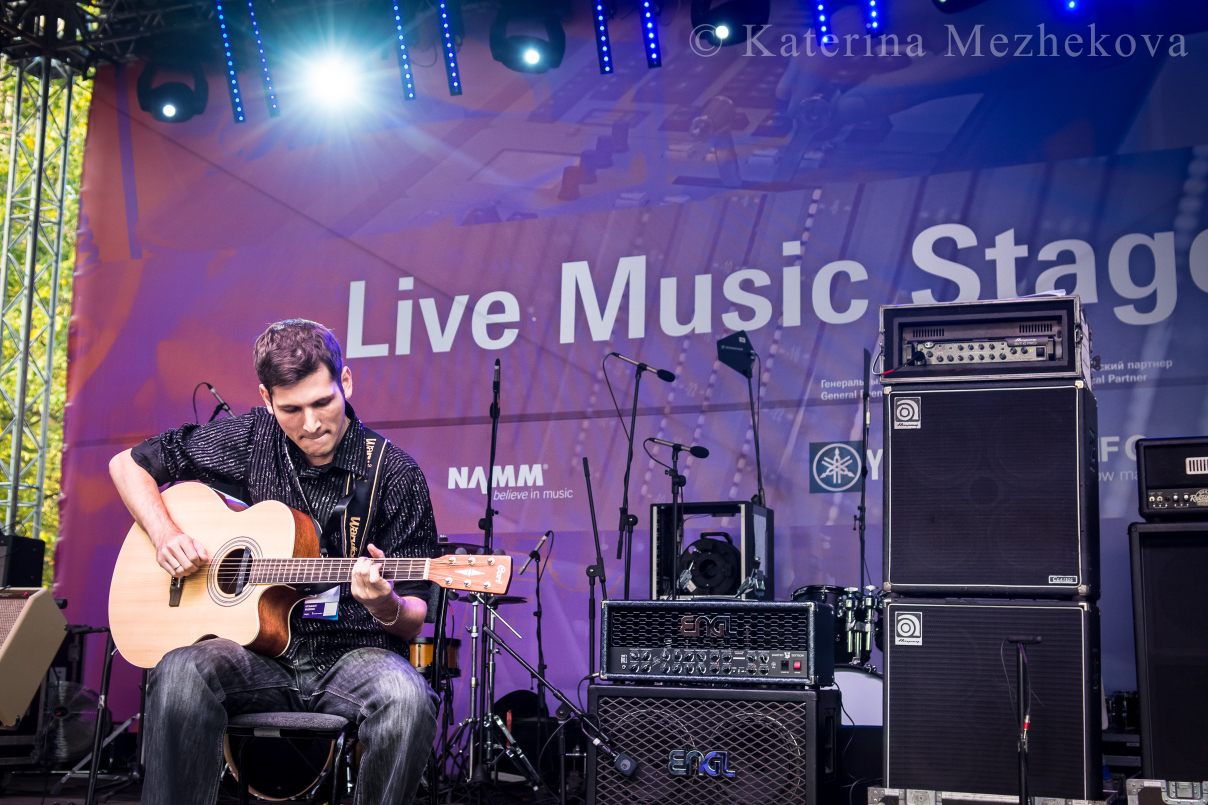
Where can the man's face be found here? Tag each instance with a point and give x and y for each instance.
(311, 412)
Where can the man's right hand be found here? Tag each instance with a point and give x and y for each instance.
(180, 554)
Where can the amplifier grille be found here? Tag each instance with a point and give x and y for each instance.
(10, 610)
(1032, 329)
(749, 628)
(765, 742)
(927, 332)
(1197, 466)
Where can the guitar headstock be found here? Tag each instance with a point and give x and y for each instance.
(479, 574)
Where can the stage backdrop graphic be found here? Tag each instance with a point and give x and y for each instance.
(546, 221)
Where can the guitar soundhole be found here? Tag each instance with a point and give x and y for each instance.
(233, 571)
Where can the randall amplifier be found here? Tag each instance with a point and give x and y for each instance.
(950, 712)
(1164, 792)
(1172, 478)
(1037, 337)
(991, 490)
(898, 796)
(720, 641)
(721, 747)
(1169, 563)
(728, 543)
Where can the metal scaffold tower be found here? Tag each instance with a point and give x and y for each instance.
(39, 144)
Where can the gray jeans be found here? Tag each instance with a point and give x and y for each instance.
(194, 689)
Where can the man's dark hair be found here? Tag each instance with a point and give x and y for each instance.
(291, 350)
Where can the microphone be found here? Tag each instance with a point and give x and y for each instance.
(222, 406)
(662, 373)
(534, 553)
(695, 450)
(495, 382)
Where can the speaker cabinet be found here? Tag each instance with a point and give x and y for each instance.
(950, 682)
(21, 560)
(1169, 565)
(31, 630)
(722, 747)
(991, 491)
(745, 527)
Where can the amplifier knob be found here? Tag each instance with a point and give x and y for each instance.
(714, 655)
(714, 668)
(675, 669)
(666, 655)
(763, 656)
(727, 655)
(700, 668)
(645, 668)
(1002, 356)
(677, 655)
(700, 656)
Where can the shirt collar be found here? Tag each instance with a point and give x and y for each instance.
(351, 454)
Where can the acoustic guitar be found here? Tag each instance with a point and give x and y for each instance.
(242, 592)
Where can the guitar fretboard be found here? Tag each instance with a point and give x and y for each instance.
(320, 571)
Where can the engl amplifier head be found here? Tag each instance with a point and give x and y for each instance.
(721, 747)
(1172, 478)
(718, 642)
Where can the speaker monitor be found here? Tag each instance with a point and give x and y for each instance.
(723, 747)
(950, 711)
(736, 539)
(991, 490)
(21, 560)
(1169, 565)
(31, 630)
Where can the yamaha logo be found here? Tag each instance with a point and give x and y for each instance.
(688, 762)
(704, 626)
(907, 413)
(834, 466)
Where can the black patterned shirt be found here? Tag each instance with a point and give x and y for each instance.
(252, 455)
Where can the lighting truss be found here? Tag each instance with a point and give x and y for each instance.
(603, 47)
(404, 60)
(39, 140)
(450, 51)
(650, 36)
(268, 79)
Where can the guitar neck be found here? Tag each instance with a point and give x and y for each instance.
(332, 571)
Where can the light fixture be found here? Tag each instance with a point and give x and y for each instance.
(331, 80)
(525, 53)
(172, 101)
(404, 58)
(268, 79)
(603, 45)
(730, 22)
(232, 80)
(448, 48)
(650, 36)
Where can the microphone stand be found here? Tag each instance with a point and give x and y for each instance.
(593, 572)
(677, 493)
(860, 512)
(628, 521)
(1025, 714)
(487, 523)
(760, 498)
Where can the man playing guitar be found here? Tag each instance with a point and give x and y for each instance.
(346, 656)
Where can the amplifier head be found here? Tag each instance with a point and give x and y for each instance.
(1172, 478)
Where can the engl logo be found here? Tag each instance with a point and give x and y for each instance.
(502, 478)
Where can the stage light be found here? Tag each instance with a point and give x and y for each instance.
(268, 79)
(172, 101)
(404, 59)
(448, 49)
(522, 52)
(232, 80)
(650, 36)
(724, 23)
(331, 81)
(603, 45)
(874, 19)
(820, 19)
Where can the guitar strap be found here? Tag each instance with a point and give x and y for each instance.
(344, 534)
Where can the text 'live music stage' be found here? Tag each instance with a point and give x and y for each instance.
(605, 401)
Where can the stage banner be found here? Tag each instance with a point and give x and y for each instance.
(787, 186)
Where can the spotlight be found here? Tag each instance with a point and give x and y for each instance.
(524, 53)
(730, 19)
(172, 101)
(332, 81)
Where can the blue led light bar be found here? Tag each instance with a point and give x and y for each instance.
(450, 53)
(603, 47)
(650, 36)
(232, 81)
(821, 24)
(404, 61)
(268, 79)
(873, 20)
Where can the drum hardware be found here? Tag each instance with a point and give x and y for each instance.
(423, 650)
(857, 619)
(285, 768)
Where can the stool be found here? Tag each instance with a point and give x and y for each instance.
(293, 725)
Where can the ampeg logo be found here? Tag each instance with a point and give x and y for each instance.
(1063, 579)
(704, 626)
(907, 413)
(834, 466)
(687, 762)
(908, 629)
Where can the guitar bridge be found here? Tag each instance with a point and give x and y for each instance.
(174, 590)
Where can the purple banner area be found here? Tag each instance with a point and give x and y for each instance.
(549, 220)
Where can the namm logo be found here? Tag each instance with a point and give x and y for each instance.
(502, 478)
(688, 762)
(705, 626)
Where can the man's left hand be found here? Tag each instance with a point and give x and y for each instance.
(373, 591)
